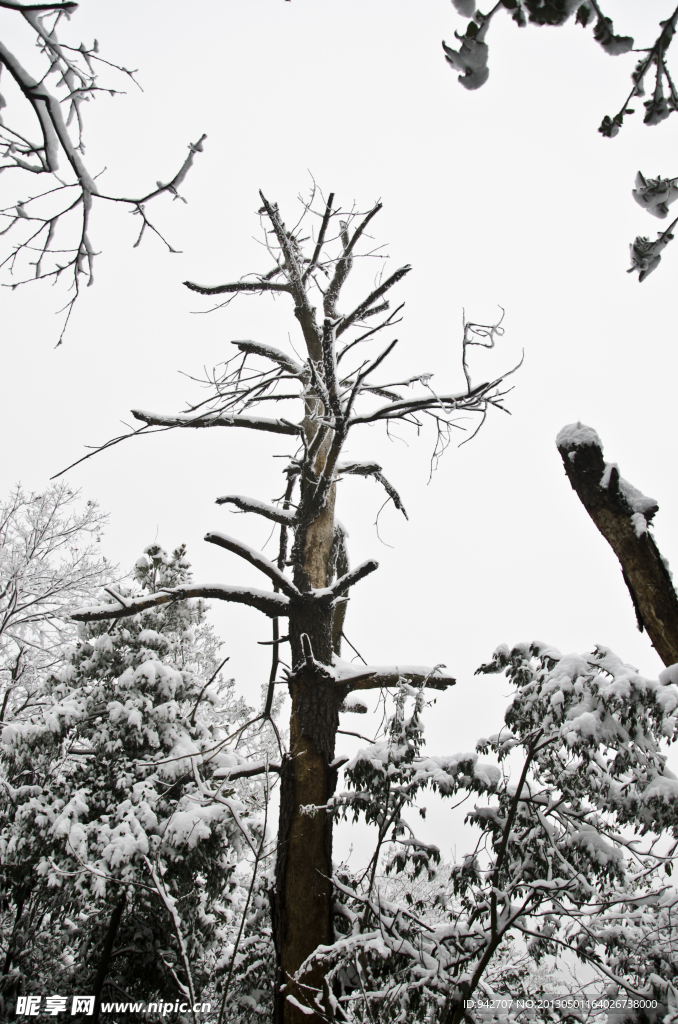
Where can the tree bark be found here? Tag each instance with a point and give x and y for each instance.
(303, 913)
(106, 956)
(610, 503)
(303, 918)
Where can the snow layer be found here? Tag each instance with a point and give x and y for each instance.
(573, 435)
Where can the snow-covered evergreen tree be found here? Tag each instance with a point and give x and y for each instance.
(119, 830)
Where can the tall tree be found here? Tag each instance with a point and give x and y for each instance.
(336, 389)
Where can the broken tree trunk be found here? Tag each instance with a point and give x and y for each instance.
(622, 515)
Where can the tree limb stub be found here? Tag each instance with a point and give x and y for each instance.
(354, 576)
(264, 601)
(393, 675)
(621, 514)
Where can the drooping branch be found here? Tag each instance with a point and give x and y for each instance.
(622, 515)
(372, 469)
(265, 601)
(256, 559)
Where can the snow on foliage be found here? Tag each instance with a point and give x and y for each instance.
(655, 194)
(49, 562)
(577, 769)
(108, 802)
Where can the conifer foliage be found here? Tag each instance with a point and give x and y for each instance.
(117, 855)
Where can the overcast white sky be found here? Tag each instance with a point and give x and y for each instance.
(504, 197)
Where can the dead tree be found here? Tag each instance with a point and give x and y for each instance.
(622, 514)
(336, 389)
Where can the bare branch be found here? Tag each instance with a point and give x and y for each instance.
(283, 516)
(372, 469)
(321, 237)
(256, 559)
(39, 218)
(248, 771)
(264, 601)
(238, 286)
(373, 677)
(303, 310)
(274, 354)
(354, 576)
(364, 307)
(345, 263)
(252, 422)
(171, 186)
(68, 5)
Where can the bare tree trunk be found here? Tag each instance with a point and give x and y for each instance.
(20, 900)
(304, 866)
(106, 956)
(615, 508)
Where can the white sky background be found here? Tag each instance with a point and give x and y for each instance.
(507, 196)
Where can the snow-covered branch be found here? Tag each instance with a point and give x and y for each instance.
(251, 422)
(370, 677)
(237, 286)
(264, 601)
(274, 354)
(283, 516)
(256, 559)
(354, 576)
